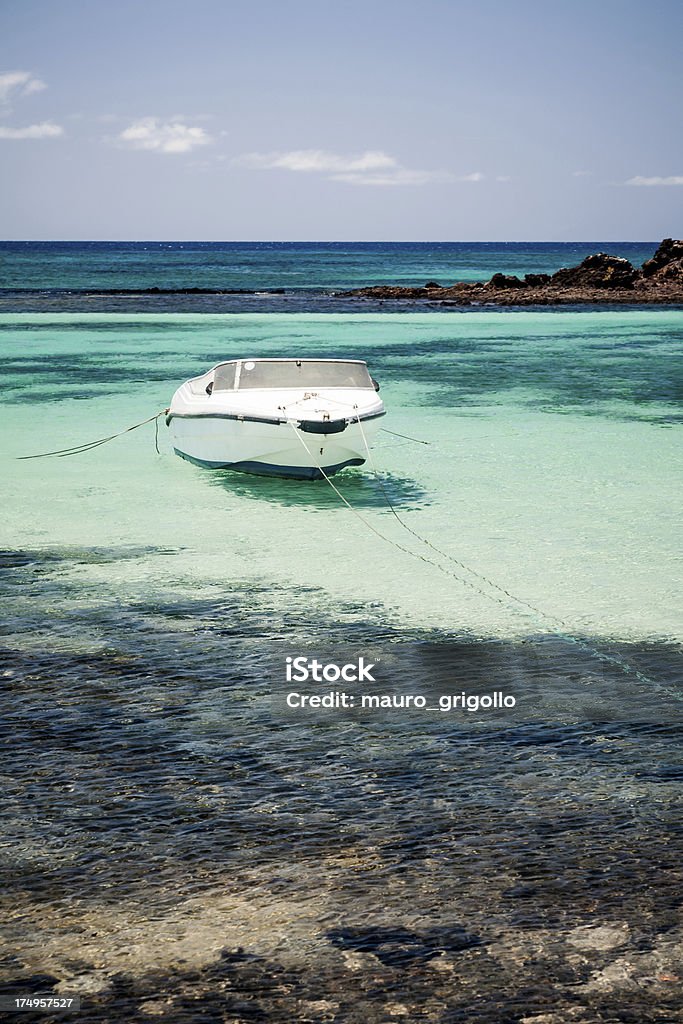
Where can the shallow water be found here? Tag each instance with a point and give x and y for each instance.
(176, 841)
(553, 463)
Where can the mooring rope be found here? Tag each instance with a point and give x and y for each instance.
(406, 437)
(513, 603)
(78, 449)
(444, 554)
(544, 618)
(378, 533)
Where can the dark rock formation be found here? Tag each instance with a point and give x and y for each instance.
(597, 271)
(670, 251)
(667, 263)
(598, 279)
(672, 272)
(505, 281)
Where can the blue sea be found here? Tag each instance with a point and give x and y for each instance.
(179, 842)
(260, 276)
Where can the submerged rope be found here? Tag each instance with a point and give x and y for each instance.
(542, 617)
(378, 533)
(78, 449)
(406, 437)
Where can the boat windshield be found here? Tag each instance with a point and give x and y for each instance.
(303, 373)
(224, 377)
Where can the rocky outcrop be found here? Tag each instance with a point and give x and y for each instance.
(598, 279)
(505, 281)
(672, 272)
(597, 271)
(669, 256)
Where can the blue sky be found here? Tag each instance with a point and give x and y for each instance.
(307, 119)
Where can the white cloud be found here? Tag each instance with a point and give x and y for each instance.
(44, 130)
(373, 167)
(20, 83)
(318, 161)
(33, 85)
(672, 180)
(400, 176)
(164, 136)
(581, 174)
(404, 176)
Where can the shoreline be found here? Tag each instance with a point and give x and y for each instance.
(335, 303)
(599, 278)
(480, 295)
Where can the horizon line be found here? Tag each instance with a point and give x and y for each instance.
(335, 241)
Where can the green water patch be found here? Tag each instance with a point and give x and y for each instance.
(611, 363)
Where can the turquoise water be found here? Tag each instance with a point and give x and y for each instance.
(171, 833)
(552, 466)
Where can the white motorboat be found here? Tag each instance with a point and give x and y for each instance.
(277, 417)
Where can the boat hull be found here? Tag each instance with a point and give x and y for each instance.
(270, 448)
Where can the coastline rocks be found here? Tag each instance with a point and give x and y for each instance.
(505, 281)
(670, 252)
(671, 272)
(598, 279)
(597, 271)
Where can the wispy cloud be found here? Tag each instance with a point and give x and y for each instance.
(19, 83)
(318, 161)
(14, 84)
(374, 167)
(675, 179)
(404, 176)
(152, 133)
(44, 130)
(399, 176)
(581, 174)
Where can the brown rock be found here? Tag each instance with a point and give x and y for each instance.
(505, 281)
(670, 251)
(597, 271)
(672, 272)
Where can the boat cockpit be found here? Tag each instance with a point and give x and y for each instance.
(275, 374)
